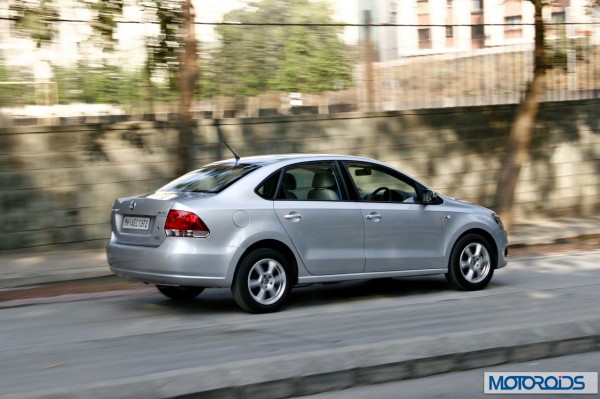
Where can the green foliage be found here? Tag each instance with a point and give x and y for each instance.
(107, 84)
(558, 51)
(35, 19)
(250, 59)
(163, 50)
(256, 59)
(313, 62)
(15, 94)
(104, 21)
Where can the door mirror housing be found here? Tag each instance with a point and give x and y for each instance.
(428, 196)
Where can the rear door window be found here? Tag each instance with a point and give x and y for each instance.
(315, 181)
(312, 181)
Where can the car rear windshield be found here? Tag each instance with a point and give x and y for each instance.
(210, 178)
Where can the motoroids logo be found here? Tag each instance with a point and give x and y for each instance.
(540, 383)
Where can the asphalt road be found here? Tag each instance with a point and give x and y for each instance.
(86, 339)
(468, 384)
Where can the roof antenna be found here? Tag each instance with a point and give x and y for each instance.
(237, 158)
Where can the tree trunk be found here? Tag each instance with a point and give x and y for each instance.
(149, 89)
(519, 141)
(189, 75)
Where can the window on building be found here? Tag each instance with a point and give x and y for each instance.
(477, 32)
(595, 12)
(477, 36)
(513, 27)
(557, 27)
(558, 17)
(449, 31)
(423, 6)
(513, 22)
(424, 38)
(449, 3)
(477, 5)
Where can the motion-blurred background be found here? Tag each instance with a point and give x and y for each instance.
(269, 57)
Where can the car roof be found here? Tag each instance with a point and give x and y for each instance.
(269, 159)
(264, 160)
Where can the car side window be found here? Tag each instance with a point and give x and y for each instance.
(378, 184)
(317, 181)
(267, 189)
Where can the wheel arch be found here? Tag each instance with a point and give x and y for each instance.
(278, 246)
(485, 235)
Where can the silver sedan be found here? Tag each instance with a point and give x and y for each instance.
(261, 225)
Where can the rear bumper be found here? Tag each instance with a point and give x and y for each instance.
(177, 261)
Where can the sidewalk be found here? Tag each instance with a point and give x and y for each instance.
(38, 268)
(51, 267)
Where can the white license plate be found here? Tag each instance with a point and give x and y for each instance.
(136, 223)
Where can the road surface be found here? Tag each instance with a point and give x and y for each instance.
(86, 339)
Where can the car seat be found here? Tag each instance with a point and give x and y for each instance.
(289, 183)
(323, 187)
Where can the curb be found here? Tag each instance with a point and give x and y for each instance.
(54, 276)
(320, 371)
(19, 270)
(522, 242)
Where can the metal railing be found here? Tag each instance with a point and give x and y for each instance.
(445, 74)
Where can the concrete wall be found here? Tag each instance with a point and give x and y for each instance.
(57, 184)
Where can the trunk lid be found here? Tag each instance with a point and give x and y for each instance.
(140, 220)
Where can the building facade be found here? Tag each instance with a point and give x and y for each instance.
(422, 27)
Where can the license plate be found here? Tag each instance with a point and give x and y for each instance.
(136, 223)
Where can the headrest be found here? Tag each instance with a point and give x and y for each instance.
(323, 180)
(289, 182)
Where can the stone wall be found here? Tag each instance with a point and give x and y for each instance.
(57, 183)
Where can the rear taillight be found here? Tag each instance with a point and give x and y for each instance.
(185, 224)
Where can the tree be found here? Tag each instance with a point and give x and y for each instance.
(162, 51)
(35, 20)
(98, 84)
(299, 57)
(175, 50)
(519, 140)
(12, 94)
(189, 76)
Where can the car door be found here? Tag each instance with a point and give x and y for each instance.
(326, 229)
(400, 233)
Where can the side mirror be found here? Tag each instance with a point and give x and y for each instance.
(429, 196)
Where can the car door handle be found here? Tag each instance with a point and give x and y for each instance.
(374, 216)
(293, 216)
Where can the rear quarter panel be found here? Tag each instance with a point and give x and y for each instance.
(255, 221)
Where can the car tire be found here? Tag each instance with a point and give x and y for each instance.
(471, 263)
(179, 294)
(262, 282)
